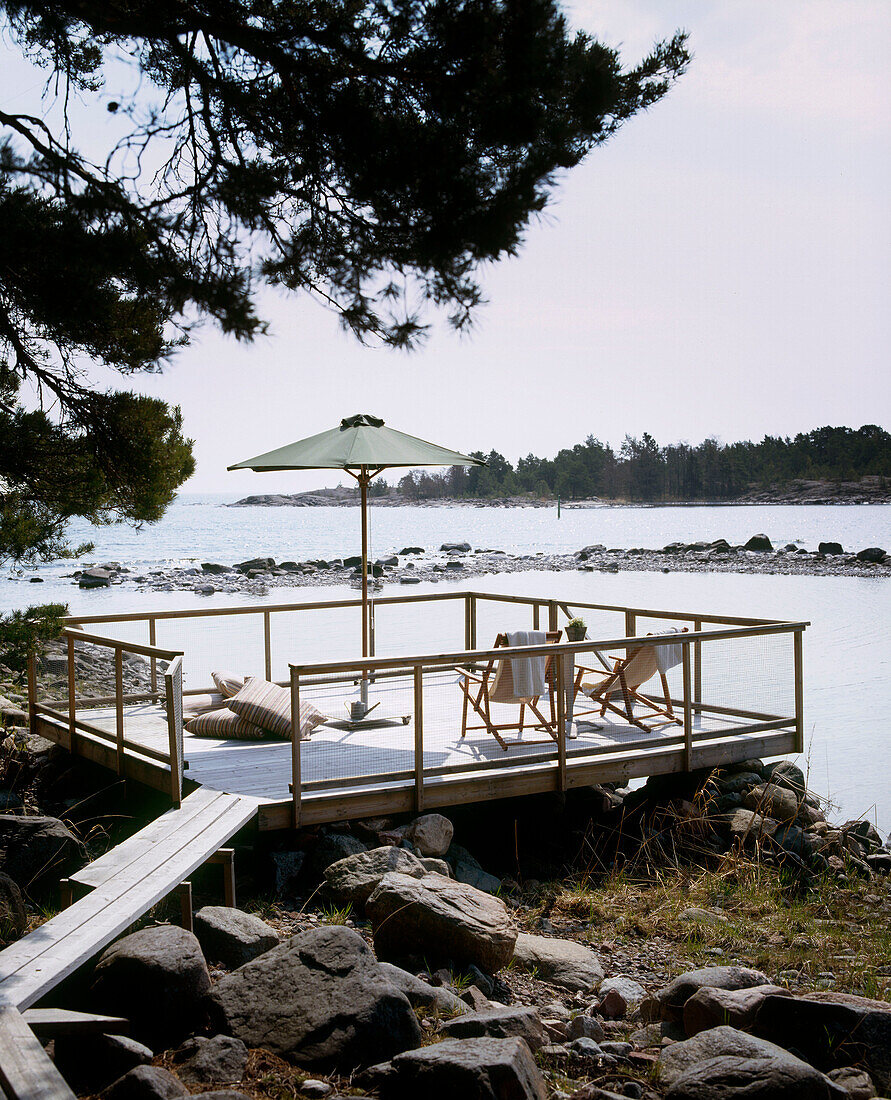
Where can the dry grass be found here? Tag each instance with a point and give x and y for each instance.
(839, 934)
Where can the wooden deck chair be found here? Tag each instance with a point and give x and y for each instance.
(495, 684)
(619, 690)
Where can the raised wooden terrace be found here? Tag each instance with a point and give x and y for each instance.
(737, 693)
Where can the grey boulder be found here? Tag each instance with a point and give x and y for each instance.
(431, 834)
(232, 937)
(329, 849)
(726, 1064)
(831, 1029)
(320, 1000)
(439, 918)
(217, 1061)
(469, 871)
(710, 1007)
(354, 878)
(39, 850)
(157, 978)
(565, 963)
(433, 998)
(146, 1083)
(474, 1069)
(771, 800)
(668, 1003)
(498, 1022)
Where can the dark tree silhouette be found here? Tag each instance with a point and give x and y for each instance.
(371, 154)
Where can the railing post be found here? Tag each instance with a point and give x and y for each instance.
(173, 691)
(536, 616)
(630, 629)
(119, 706)
(267, 645)
(799, 691)
(467, 644)
(32, 691)
(560, 689)
(688, 712)
(473, 621)
(553, 610)
(419, 738)
(295, 748)
(72, 705)
(153, 661)
(697, 669)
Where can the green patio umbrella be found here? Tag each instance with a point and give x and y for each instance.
(363, 446)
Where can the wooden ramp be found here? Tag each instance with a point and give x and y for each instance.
(126, 883)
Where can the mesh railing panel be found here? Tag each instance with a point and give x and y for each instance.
(408, 629)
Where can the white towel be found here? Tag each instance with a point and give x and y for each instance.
(667, 656)
(528, 672)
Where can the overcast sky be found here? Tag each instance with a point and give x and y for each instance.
(721, 267)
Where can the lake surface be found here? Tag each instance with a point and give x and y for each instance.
(847, 656)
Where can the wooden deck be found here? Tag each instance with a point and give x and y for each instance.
(349, 773)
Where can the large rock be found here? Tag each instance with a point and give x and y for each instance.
(217, 1061)
(668, 1003)
(440, 919)
(469, 871)
(13, 915)
(498, 1022)
(431, 834)
(830, 548)
(759, 542)
(320, 1000)
(785, 774)
(39, 851)
(748, 827)
(232, 937)
(474, 1069)
(726, 1064)
(709, 1007)
(433, 998)
(771, 800)
(330, 848)
(157, 978)
(832, 1029)
(354, 878)
(873, 554)
(95, 578)
(146, 1083)
(563, 962)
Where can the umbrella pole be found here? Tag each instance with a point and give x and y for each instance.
(363, 493)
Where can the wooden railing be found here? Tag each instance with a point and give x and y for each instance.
(122, 746)
(702, 630)
(416, 668)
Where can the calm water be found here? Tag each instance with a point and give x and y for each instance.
(847, 661)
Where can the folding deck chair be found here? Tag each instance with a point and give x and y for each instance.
(495, 684)
(618, 690)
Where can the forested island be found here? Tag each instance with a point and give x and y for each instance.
(826, 465)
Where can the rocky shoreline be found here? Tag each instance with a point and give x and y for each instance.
(459, 561)
(705, 937)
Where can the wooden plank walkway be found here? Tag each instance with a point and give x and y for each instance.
(129, 880)
(26, 1072)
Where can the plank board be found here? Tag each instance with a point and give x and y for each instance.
(39, 961)
(47, 1023)
(26, 1072)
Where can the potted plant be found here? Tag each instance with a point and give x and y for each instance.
(576, 629)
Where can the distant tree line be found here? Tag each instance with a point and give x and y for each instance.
(643, 470)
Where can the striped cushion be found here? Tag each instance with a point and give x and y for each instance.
(193, 705)
(227, 683)
(269, 706)
(224, 723)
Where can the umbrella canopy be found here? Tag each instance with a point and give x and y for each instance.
(362, 446)
(360, 441)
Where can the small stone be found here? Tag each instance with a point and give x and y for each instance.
(313, 1087)
(585, 1027)
(586, 1046)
